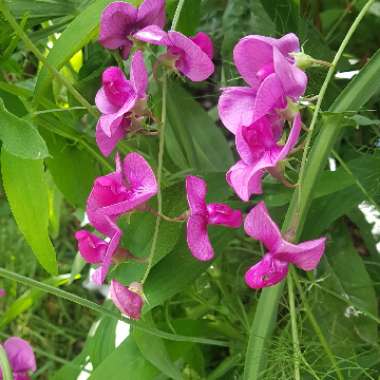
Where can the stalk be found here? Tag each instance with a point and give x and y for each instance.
(4, 364)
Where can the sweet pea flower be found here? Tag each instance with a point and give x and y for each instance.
(130, 186)
(21, 358)
(268, 67)
(3, 293)
(120, 101)
(121, 20)
(128, 299)
(273, 267)
(259, 150)
(202, 214)
(192, 56)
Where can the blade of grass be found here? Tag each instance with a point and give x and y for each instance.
(4, 364)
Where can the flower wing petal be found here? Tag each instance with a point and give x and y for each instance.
(20, 355)
(196, 190)
(197, 238)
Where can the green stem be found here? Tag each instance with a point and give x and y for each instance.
(159, 177)
(30, 45)
(293, 319)
(101, 310)
(177, 14)
(325, 84)
(4, 364)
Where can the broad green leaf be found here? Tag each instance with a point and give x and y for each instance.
(154, 350)
(78, 33)
(19, 137)
(73, 169)
(28, 300)
(126, 361)
(201, 140)
(26, 189)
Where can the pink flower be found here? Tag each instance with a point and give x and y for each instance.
(192, 56)
(128, 299)
(3, 293)
(91, 247)
(202, 214)
(120, 20)
(268, 67)
(120, 100)
(259, 151)
(273, 267)
(130, 186)
(21, 358)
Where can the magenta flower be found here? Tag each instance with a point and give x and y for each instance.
(259, 151)
(273, 267)
(120, 101)
(91, 247)
(202, 214)
(120, 20)
(3, 293)
(267, 66)
(128, 299)
(192, 56)
(21, 358)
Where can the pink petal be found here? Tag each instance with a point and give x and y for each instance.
(151, 12)
(288, 44)
(126, 49)
(153, 34)
(204, 42)
(139, 75)
(222, 214)
(116, 23)
(197, 237)
(259, 225)
(305, 255)
(3, 293)
(196, 190)
(245, 179)
(270, 96)
(20, 355)
(236, 107)
(91, 247)
(128, 302)
(266, 272)
(118, 131)
(293, 79)
(192, 62)
(103, 104)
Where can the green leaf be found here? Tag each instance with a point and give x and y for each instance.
(19, 137)
(78, 33)
(203, 143)
(27, 193)
(73, 169)
(154, 350)
(125, 360)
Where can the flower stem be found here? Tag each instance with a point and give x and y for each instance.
(323, 89)
(30, 45)
(4, 364)
(101, 310)
(177, 14)
(293, 318)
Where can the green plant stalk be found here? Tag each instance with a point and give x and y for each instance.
(101, 310)
(177, 14)
(293, 320)
(30, 45)
(265, 316)
(4, 364)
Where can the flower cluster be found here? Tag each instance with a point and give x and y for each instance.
(20, 357)
(123, 104)
(257, 115)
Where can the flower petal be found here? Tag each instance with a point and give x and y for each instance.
(196, 190)
(3, 292)
(305, 255)
(197, 238)
(266, 272)
(288, 43)
(118, 131)
(116, 23)
(20, 355)
(103, 104)
(236, 107)
(153, 34)
(222, 214)
(192, 62)
(91, 247)
(128, 302)
(259, 225)
(151, 12)
(139, 75)
(245, 179)
(204, 42)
